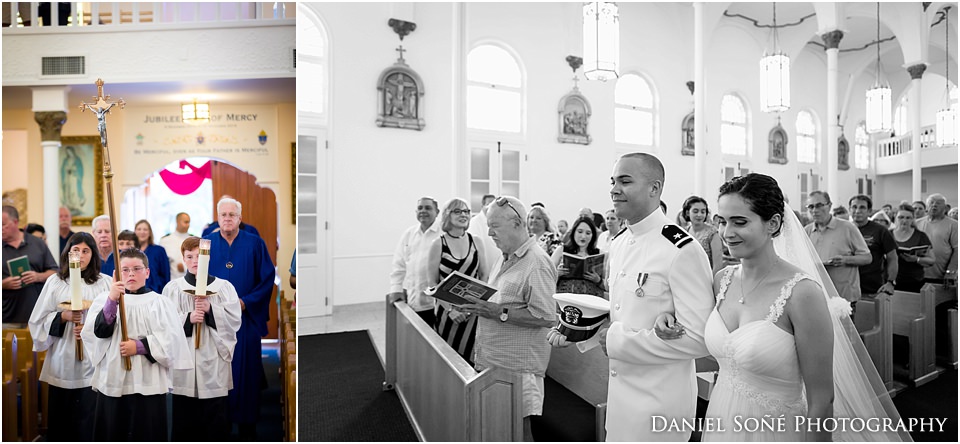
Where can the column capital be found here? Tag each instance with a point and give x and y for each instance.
(916, 71)
(51, 122)
(832, 39)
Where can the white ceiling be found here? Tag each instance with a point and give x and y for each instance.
(860, 26)
(223, 92)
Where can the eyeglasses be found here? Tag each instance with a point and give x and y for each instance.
(132, 270)
(501, 201)
(817, 206)
(461, 211)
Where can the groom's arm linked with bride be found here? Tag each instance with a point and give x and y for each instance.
(653, 270)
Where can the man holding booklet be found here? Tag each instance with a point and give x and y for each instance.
(27, 263)
(515, 321)
(840, 245)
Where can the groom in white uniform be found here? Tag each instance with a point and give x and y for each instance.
(654, 267)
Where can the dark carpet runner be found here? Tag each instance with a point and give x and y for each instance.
(340, 392)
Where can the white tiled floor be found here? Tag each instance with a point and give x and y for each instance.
(370, 316)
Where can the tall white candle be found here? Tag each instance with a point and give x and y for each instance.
(203, 263)
(76, 299)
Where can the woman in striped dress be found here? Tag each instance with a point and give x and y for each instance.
(456, 250)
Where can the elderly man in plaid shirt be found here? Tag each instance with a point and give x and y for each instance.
(513, 324)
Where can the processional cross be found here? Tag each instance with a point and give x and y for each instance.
(101, 107)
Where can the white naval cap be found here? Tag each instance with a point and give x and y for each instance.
(581, 315)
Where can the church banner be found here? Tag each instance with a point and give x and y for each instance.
(244, 136)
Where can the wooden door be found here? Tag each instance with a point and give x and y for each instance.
(259, 209)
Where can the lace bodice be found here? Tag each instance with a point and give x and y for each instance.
(758, 360)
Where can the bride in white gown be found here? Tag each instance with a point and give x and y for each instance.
(783, 339)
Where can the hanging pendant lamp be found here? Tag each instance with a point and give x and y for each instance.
(947, 115)
(775, 76)
(601, 41)
(879, 101)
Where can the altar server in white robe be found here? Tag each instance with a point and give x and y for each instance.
(201, 392)
(131, 405)
(56, 331)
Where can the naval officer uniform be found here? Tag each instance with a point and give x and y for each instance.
(655, 267)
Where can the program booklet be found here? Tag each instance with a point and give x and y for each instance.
(457, 284)
(18, 265)
(577, 266)
(919, 250)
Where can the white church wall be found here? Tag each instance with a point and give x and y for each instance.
(379, 173)
(896, 187)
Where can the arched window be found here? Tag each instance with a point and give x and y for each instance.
(806, 138)
(733, 126)
(634, 111)
(494, 90)
(311, 65)
(901, 119)
(861, 147)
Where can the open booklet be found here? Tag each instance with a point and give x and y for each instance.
(577, 266)
(457, 284)
(919, 250)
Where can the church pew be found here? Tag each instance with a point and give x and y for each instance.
(874, 321)
(9, 387)
(913, 317)
(28, 374)
(292, 409)
(44, 396)
(444, 397)
(942, 295)
(586, 375)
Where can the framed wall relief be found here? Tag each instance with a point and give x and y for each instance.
(400, 97)
(17, 198)
(80, 175)
(843, 153)
(778, 141)
(574, 118)
(686, 130)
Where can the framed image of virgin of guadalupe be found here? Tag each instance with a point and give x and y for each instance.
(80, 175)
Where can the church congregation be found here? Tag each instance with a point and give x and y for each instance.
(756, 241)
(868, 250)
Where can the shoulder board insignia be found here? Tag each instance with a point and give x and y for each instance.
(676, 235)
(618, 233)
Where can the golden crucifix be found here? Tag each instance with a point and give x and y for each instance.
(101, 107)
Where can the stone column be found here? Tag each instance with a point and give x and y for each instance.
(51, 122)
(699, 117)
(916, 74)
(49, 107)
(832, 41)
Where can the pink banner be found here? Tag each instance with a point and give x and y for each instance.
(184, 184)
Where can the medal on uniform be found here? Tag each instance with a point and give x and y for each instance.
(641, 279)
(229, 265)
